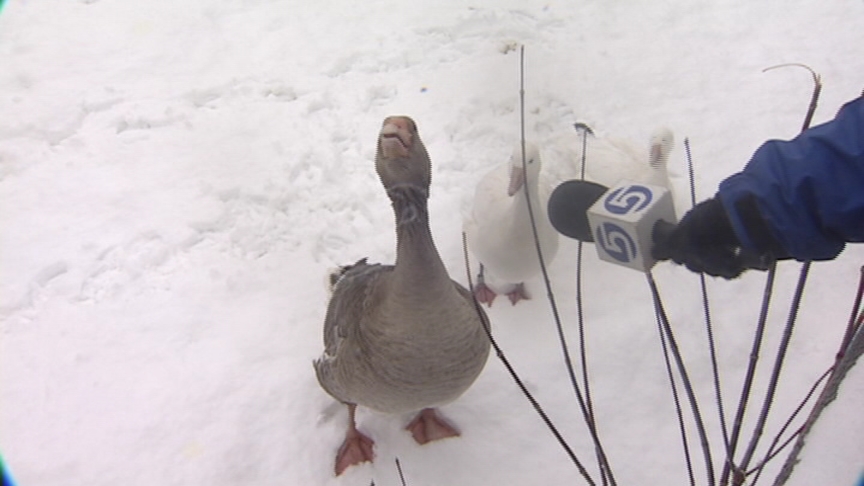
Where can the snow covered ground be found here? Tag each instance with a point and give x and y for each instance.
(176, 178)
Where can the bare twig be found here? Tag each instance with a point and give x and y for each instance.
(854, 319)
(790, 323)
(580, 317)
(709, 328)
(774, 450)
(678, 413)
(751, 372)
(399, 468)
(775, 371)
(814, 97)
(685, 378)
(584, 405)
(500, 354)
(853, 352)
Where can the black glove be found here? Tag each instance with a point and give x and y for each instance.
(705, 242)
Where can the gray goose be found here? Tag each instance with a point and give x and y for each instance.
(405, 337)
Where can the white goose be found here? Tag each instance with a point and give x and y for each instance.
(404, 337)
(498, 228)
(610, 160)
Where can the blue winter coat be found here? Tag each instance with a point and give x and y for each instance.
(809, 190)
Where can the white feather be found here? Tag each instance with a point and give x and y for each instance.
(610, 160)
(498, 227)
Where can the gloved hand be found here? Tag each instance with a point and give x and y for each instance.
(705, 242)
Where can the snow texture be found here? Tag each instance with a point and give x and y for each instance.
(176, 179)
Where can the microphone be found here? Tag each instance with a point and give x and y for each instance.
(624, 221)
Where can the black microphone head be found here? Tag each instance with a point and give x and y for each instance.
(568, 206)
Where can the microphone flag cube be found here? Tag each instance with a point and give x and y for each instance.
(622, 221)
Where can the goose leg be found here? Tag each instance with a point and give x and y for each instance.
(427, 426)
(482, 291)
(357, 447)
(518, 293)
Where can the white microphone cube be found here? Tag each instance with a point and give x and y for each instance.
(622, 222)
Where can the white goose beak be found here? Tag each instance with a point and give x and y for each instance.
(662, 142)
(517, 180)
(656, 156)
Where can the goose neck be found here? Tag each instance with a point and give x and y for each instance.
(417, 261)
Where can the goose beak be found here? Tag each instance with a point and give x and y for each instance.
(656, 156)
(395, 138)
(517, 180)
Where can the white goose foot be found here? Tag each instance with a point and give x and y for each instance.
(484, 294)
(518, 293)
(427, 426)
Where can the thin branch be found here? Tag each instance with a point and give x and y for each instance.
(773, 450)
(854, 319)
(583, 354)
(685, 378)
(399, 468)
(678, 413)
(709, 328)
(500, 354)
(587, 413)
(751, 372)
(814, 99)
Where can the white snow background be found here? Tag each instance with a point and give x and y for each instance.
(176, 179)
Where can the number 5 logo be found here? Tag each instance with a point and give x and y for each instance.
(616, 242)
(628, 199)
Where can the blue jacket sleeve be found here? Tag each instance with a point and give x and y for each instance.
(809, 190)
